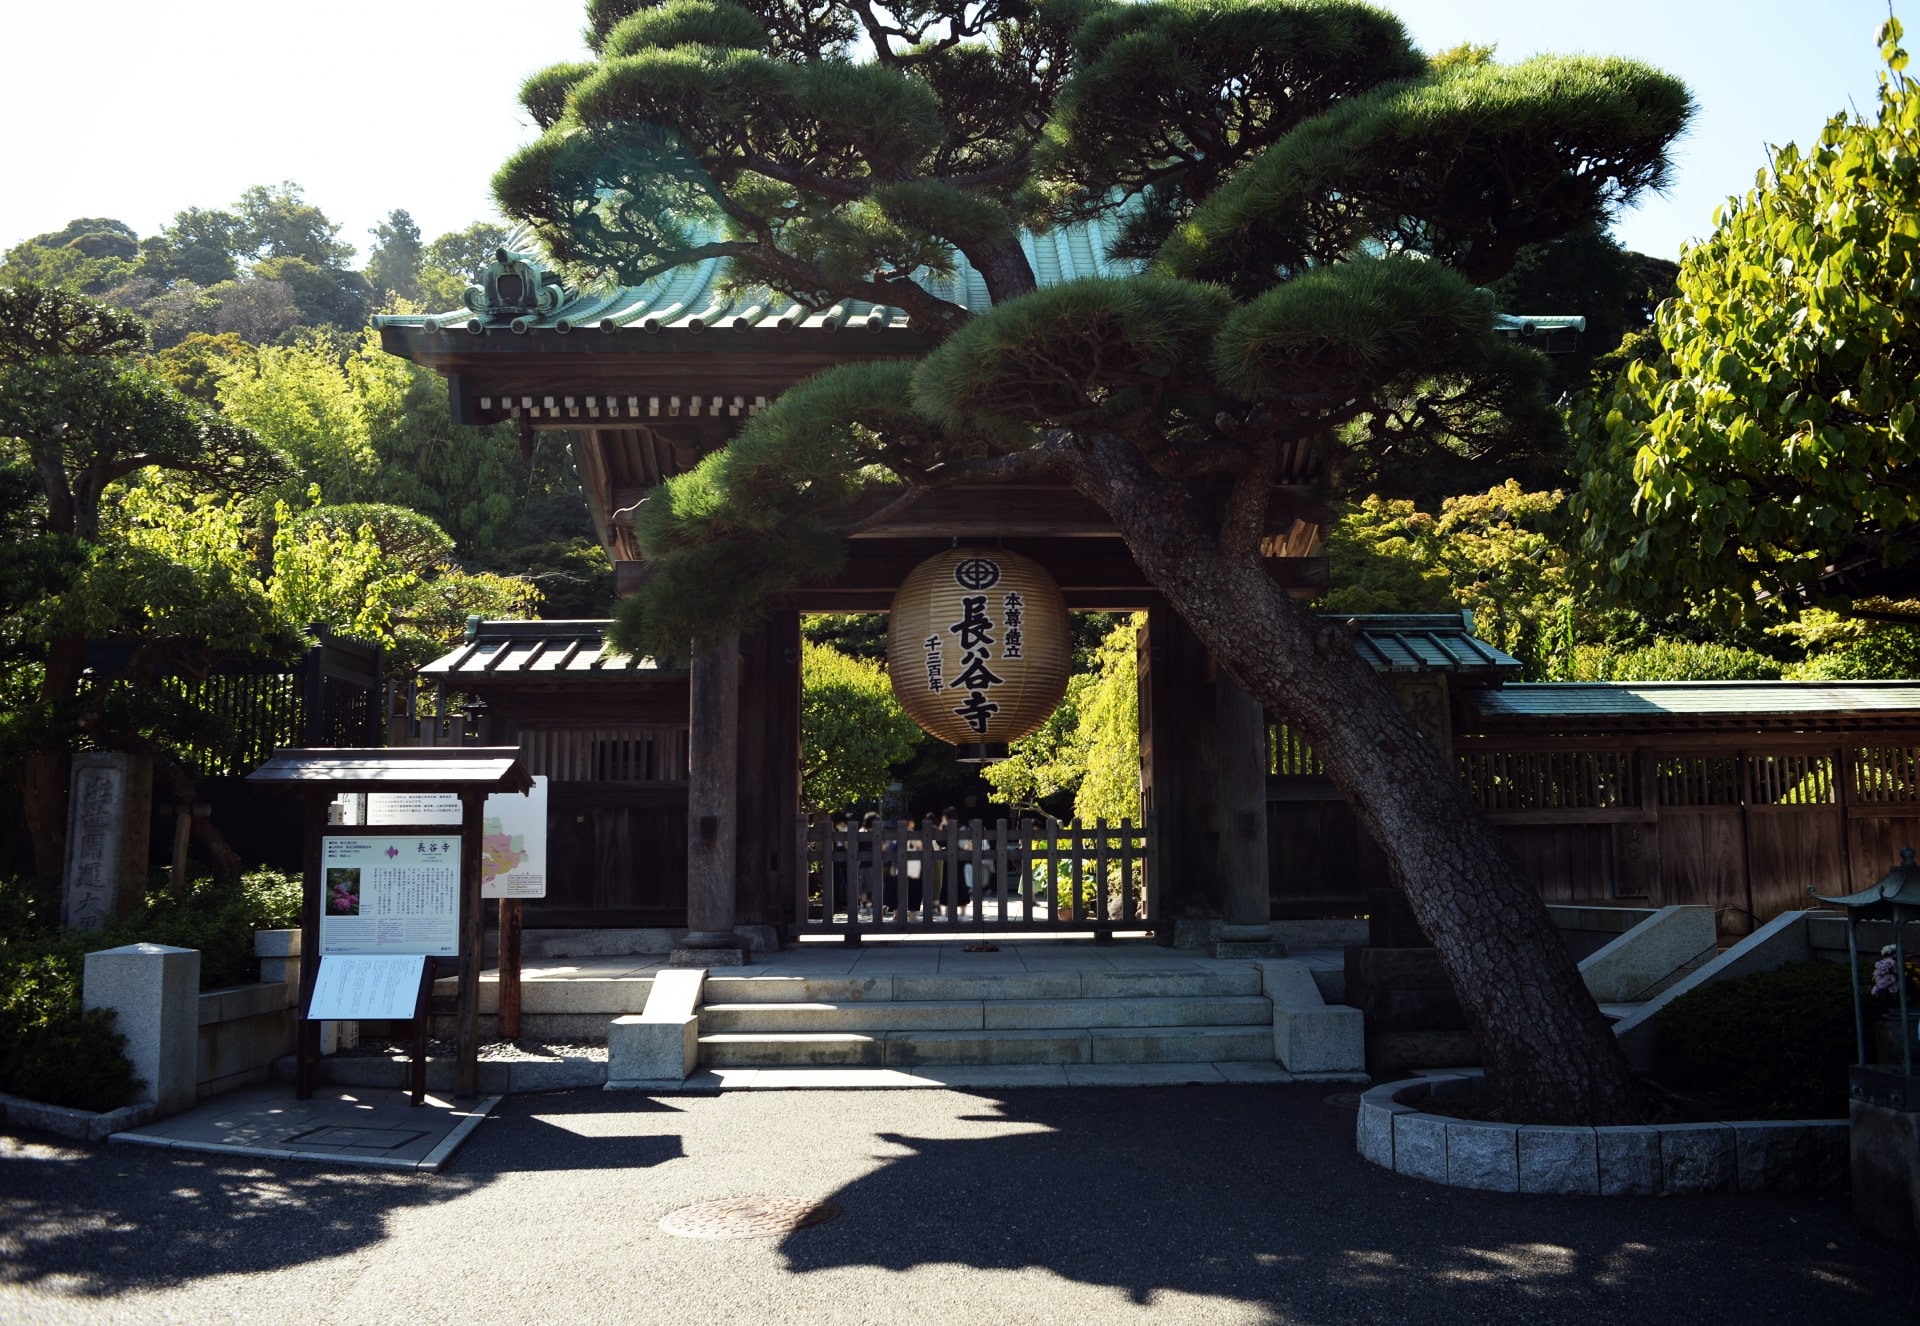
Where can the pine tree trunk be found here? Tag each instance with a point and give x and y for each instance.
(1549, 1053)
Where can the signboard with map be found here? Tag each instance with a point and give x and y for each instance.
(513, 843)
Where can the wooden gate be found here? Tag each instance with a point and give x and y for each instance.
(1033, 875)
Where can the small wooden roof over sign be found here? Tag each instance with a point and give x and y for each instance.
(544, 650)
(400, 769)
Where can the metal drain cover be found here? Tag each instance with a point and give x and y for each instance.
(747, 1217)
(1346, 1100)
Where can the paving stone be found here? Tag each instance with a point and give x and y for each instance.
(1373, 1130)
(1559, 1160)
(1696, 1157)
(1482, 1155)
(1776, 1157)
(1629, 1161)
(1420, 1146)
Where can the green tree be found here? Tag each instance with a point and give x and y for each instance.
(393, 264)
(77, 406)
(1089, 748)
(1329, 203)
(454, 261)
(1500, 554)
(1774, 433)
(202, 245)
(852, 730)
(89, 255)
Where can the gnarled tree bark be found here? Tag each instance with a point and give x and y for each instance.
(1549, 1052)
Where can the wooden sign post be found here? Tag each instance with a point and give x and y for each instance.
(374, 892)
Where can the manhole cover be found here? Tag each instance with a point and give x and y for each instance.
(747, 1217)
(364, 1139)
(1346, 1100)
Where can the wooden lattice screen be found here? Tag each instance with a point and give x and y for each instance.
(607, 754)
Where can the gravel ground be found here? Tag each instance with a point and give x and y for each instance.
(1201, 1204)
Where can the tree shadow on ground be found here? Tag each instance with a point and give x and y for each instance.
(104, 1220)
(1256, 1194)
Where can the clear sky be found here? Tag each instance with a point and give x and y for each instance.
(134, 109)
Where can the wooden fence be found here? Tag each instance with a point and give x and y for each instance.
(1745, 823)
(1030, 875)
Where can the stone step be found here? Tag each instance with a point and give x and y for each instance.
(992, 1014)
(792, 1050)
(924, 1048)
(1224, 982)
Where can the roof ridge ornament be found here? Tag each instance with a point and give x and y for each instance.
(517, 285)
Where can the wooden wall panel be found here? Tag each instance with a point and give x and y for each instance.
(1702, 861)
(1569, 862)
(1793, 848)
(1875, 844)
(1321, 863)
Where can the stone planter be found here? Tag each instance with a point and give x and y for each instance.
(1886, 1040)
(1759, 1156)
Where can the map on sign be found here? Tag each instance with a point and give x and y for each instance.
(513, 843)
(501, 853)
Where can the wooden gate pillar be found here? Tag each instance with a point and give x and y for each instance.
(1203, 777)
(713, 723)
(769, 771)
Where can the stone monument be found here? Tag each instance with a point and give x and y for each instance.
(108, 823)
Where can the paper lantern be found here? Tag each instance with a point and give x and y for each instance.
(978, 648)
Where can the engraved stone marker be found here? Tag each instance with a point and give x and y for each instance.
(107, 831)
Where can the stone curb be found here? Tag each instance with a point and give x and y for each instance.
(80, 1125)
(1789, 1155)
(497, 1078)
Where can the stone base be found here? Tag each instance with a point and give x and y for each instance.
(1249, 948)
(1885, 1162)
(708, 957)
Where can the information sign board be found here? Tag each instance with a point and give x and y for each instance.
(366, 985)
(513, 844)
(385, 893)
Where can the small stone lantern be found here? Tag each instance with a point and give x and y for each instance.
(1895, 898)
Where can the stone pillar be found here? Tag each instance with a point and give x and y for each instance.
(154, 992)
(108, 823)
(713, 741)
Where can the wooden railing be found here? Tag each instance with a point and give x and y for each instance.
(1032, 874)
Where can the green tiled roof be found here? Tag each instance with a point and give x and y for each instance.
(691, 299)
(1697, 699)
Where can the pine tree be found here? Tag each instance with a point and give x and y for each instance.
(1318, 202)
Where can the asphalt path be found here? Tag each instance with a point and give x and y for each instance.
(1195, 1204)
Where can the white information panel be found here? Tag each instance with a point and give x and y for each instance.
(390, 894)
(366, 985)
(513, 844)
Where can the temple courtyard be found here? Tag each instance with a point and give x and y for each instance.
(1237, 1203)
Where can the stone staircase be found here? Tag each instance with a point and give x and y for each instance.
(1068, 1017)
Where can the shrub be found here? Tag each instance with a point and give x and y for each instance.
(1777, 1044)
(52, 1051)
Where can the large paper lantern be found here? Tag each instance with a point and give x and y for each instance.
(978, 648)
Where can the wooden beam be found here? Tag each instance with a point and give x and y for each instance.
(991, 512)
(1096, 580)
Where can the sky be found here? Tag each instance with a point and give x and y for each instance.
(135, 110)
